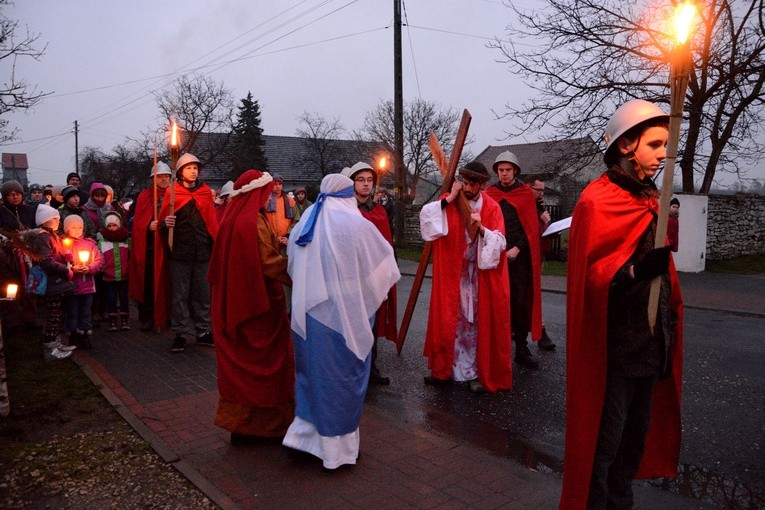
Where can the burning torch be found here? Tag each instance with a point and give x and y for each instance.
(680, 66)
(174, 150)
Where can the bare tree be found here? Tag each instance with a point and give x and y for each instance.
(585, 57)
(421, 117)
(16, 93)
(324, 148)
(125, 169)
(199, 104)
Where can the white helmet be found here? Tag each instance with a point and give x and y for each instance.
(162, 169)
(629, 115)
(358, 167)
(507, 157)
(185, 160)
(226, 189)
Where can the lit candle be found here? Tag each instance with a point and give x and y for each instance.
(84, 256)
(11, 291)
(67, 242)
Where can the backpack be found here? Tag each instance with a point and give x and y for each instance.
(37, 281)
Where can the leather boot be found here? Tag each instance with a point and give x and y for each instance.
(523, 355)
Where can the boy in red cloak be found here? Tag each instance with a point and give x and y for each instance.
(468, 337)
(256, 363)
(143, 286)
(194, 227)
(524, 266)
(364, 180)
(623, 379)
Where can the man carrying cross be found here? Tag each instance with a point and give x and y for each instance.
(468, 337)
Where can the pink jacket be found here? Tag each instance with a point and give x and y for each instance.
(85, 283)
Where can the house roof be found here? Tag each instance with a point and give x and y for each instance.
(547, 158)
(289, 156)
(15, 161)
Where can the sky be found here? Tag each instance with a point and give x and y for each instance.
(105, 59)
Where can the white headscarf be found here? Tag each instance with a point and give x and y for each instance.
(344, 273)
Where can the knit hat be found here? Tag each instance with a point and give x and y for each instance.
(35, 187)
(68, 191)
(72, 220)
(277, 178)
(97, 186)
(72, 174)
(112, 218)
(475, 171)
(674, 201)
(9, 186)
(56, 193)
(45, 213)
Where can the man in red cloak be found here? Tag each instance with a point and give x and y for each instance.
(623, 378)
(186, 262)
(519, 209)
(143, 287)
(364, 180)
(253, 345)
(468, 337)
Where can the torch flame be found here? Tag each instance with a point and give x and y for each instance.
(174, 135)
(684, 14)
(382, 163)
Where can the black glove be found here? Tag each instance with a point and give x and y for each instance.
(655, 263)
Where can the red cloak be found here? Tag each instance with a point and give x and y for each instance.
(204, 202)
(607, 226)
(524, 202)
(387, 320)
(253, 344)
(142, 217)
(493, 343)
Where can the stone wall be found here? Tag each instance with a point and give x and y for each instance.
(735, 226)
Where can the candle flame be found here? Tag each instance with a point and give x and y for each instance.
(174, 135)
(84, 256)
(11, 291)
(684, 14)
(67, 242)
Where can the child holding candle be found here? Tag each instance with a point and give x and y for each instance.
(87, 261)
(114, 244)
(53, 260)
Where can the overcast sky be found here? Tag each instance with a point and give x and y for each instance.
(105, 58)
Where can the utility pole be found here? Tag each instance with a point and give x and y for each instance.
(398, 128)
(76, 149)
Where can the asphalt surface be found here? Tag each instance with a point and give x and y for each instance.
(448, 448)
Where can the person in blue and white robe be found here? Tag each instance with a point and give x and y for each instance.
(341, 269)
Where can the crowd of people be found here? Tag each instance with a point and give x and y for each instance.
(295, 294)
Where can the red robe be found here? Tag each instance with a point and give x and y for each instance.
(387, 321)
(607, 226)
(524, 202)
(142, 216)
(204, 202)
(493, 343)
(253, 344)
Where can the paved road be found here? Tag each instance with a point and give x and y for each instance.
(722, 454)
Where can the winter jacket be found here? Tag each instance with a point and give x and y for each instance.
(115, 248)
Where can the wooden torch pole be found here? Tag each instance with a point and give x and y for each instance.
(679, 73)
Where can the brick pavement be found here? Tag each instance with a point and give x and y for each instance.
(170, 399)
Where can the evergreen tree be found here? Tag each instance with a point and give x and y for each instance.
(248, 145)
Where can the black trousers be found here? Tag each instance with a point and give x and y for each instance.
(621, 440)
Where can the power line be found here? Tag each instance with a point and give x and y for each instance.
(411, 50)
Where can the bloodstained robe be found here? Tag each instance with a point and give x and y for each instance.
(607, 226)
(142, 216)
(386, 324)
(523, 201)
(202, 197)
(493, 321)
(253, 344)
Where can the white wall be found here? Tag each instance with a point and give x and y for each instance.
(691, 253)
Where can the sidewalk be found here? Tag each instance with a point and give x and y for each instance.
(170, 400)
